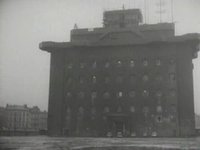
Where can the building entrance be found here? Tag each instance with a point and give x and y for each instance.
(118, 125)
(120, 128)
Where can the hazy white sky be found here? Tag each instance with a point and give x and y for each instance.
(24, 69)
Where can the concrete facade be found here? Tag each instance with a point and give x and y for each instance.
(126, 81)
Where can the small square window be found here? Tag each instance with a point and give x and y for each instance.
(172, 61)
(94, 65)
(132, 63)
(93, 111)
(159, 119)
(119, 94)
(133, 134)
(94, 95)
(119, 109)
(158, 94)
(145, 78)
(107, 80)
(119, 63)
(68, 110)
(132, 94)
(159, 109)
(107, 64)
(158, 62)
(172, 93)
(94, 79)
(69, 94)
(132, 79)
(106, 109)
(158, 78)
(145, 93)
(145, 110)
(81, 110)
(81, 80)
(119, 79)
(173, 109)
(154, 134)
(144, 133)
(132, 109)
(69, 81)
(69, 66)
(82, 65)
(145, 63)
(81, 95)
(172, 77)
(106, 95)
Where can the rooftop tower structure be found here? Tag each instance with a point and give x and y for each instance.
(122, 18)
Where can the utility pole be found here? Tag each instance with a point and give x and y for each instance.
(145, 11)
(160, 11)
(172, 10)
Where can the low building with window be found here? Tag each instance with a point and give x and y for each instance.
(18, 117)
(22, 118)
(38, 119)
(126, 79)
(3, 119)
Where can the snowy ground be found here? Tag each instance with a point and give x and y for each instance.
(52, 143)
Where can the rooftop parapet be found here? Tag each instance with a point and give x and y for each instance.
(143, 32)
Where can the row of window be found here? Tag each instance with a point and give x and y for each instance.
(120, 79)
(118, 63)
(15, 125)
(146, 110)
(120, 94)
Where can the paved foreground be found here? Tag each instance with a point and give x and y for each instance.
(52, 143)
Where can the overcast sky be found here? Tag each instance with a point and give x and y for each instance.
(24, 69)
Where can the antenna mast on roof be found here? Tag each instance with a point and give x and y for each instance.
(161, 10)
(75, 26)
(123, 7)
(172, 10)
(145, 11)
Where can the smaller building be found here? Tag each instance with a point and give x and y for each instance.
(43, 120)
(38, 119)
(18, 117)
(197, 121)
(21, 119)
(197, 124)
(2, 118)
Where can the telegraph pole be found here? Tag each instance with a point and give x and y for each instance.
(145, 11)
(172, 10)
(160, 11)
